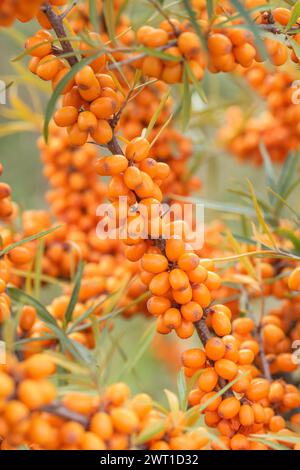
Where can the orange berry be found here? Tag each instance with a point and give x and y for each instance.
(281, 15)
(124, 420)
(48, 67)
(185, 330)
(39, 366)
(111, 165)
(192, 311)
(188, 261)
(215, 349)
(154, 263)
(104, 107)
(66, 116)
(226, 369)
(188, 44)
(194, 358)
(137, 149)
(76, 136)
(103, 132)
(208, 380)
(117, 393)
(229, 408)
(174, 248)
(294, 280)
(101, 425)
(258, 389)
(246, 415)
(172, 318)
(239, 442)
(219, 44)
(159, 284)
(87, 121)
(157, 305)
(221, 323)
(91, 441)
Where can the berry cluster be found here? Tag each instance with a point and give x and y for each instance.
(33, 416)
(254, 404)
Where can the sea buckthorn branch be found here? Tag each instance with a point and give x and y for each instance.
(56, 21)
(57, 409)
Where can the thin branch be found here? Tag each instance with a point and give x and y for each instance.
(58, 26)
(164, 14)
(58, 409)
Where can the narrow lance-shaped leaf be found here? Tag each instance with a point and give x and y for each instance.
(182, 389)
(197, 83)
(36, 236)
(269, 169)
(251, 25)
(294, 16)
(150, 432)
(260, 216)
(157, 113)
(186, 103)
(21, 297)
(109, 16)
(195, 23)
(75, 293)
(93, 14)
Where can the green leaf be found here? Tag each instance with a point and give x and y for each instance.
(59, 88)
(85, 315)
(93, 14)
(186, 105)
(271, 444)
(150, 432)
(182, 389)
(158, 53)
(260, 215)
(269, 169)
(290, 235)
(197, 83)
(284, 203)
(210, 8)
(200, 408)
(24, 299)
(294, 16)
(172, 401)
(294, 439)
(216, 205)
(157, 112)
(195, 23)
(143, 345)
(38, 267)
(287, 174)
(75, 293)
(109, 16)
(36, 236)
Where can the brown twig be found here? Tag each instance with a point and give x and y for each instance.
(58, 26)
(164, 14)
(58, 409)
(264, 361)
